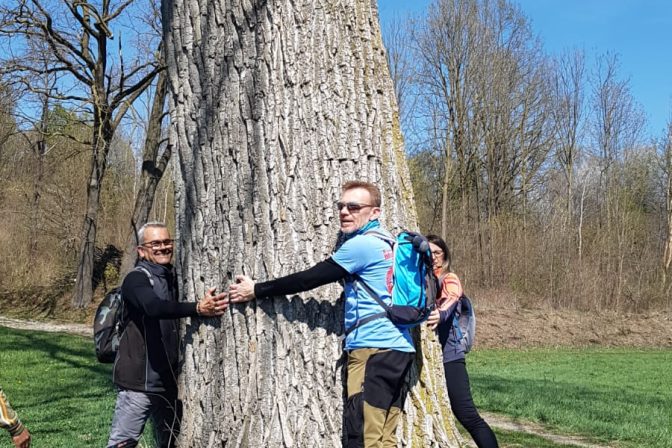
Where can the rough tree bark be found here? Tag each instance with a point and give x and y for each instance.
(274, 104)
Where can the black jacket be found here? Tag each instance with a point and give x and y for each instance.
(149, 347)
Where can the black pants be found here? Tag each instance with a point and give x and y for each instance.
(463, 406)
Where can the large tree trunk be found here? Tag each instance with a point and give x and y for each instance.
(274, 105)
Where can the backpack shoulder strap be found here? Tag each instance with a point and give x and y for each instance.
(146, 272)
(124, 312)
(366, 320)
(464, 312)
(468, 321)
(465, 305)
(358, 280)
(372, 293)
(382, 235)
(389, 239)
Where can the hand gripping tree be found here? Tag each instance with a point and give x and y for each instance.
(274, 105)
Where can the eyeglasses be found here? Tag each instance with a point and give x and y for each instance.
(437, 253)
(353, 207)
(157, 244)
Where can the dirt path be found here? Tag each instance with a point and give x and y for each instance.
(78, 329)
(505, 423)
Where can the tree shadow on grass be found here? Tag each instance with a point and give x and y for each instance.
(60, 390)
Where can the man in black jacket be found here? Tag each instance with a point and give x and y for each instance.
(145, 368)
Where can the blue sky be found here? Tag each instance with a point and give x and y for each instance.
(639, 31)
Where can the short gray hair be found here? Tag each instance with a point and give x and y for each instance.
(153, 224)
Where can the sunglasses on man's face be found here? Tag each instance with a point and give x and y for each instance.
(158, 244)
(352, 207)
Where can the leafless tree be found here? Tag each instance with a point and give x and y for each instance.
(483, 73)
(617, 119)
(77, 34)
(569, 116)
(616, 129)
(396, 38)
(447, 48)
(7, 124)
(667, 176)
(156, 156)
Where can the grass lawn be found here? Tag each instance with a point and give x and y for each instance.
(66, 397)
(60, 391)
(608, 394)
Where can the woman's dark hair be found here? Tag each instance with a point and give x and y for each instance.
(435, 239)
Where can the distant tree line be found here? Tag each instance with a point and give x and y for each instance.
(534, 167)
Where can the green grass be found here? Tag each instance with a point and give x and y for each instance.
(60, 391)
(607, 394)
(66, 397)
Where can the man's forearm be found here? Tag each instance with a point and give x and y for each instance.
(137, 290)
(322, 273)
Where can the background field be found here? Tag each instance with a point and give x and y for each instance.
(610, 394)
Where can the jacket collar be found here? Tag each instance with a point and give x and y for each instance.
(159, 270)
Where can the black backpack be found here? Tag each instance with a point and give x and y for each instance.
(109, 323)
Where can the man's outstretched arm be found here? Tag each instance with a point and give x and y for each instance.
(137, 290)
(322, 273)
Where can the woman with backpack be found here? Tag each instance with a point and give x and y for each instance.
(447, 306)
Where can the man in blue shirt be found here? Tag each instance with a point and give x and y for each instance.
(379, 352)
